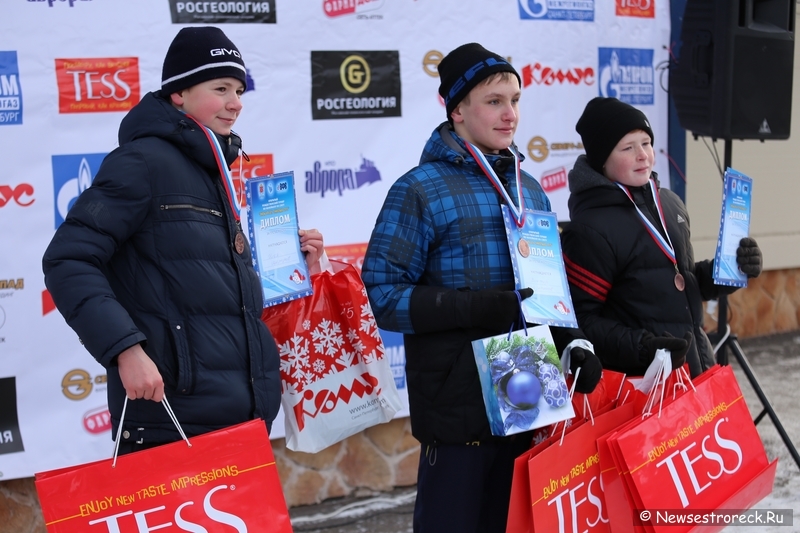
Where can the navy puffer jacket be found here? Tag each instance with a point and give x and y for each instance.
(146, 256)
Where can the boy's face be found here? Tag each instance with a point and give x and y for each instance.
(216, 103)
(631, 161)
(488, 117)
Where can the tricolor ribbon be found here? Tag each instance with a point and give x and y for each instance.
(517, 211)
(227, 178)
(664, 243)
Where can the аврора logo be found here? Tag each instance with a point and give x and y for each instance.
(321, 179)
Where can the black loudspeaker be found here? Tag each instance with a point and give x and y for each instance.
(733, 78)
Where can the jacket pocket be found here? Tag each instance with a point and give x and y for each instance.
(184, 375)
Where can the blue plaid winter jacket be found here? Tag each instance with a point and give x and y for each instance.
(441, 225)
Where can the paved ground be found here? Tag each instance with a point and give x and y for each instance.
(775, 361)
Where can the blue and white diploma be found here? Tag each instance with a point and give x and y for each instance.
(536, 256)
(733, 226)
(273, 227)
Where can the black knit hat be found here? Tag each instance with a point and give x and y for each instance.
(200, 54)
(464, 68)
(603, 123)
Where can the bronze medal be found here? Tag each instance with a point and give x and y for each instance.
(680, 283)
(238, 242)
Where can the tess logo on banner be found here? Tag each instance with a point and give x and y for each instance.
(72, 174)
(636, 8)
(337, 8)
(222, 12)
(355, 84)
(319, 180)
(556, 10)
(10, 94)
(627, 74)
(97, 85)
(256, 165)
(10, 436)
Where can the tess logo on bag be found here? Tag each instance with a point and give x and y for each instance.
(714, 457)
(123, 522)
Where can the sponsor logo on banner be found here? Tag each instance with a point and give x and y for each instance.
(556, 9)
(539, 150)
(337, 8)
(20, 194)
(627, 74)
(355, 84)
(548, 75)
(222, 11)
(10, 436)
(10, 93)
(256, 165)
(78, 384)
(554, 180)
(97, 85)
(328, 178)
(51, 3)
(48, 306)
(11, 285)
(430, 63)
(97, 421)
(636, 8)
(72, 174)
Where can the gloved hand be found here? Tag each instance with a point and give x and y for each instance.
(590, 366)
(493, 309)
(748, 257)
(677, 347)
(435, 309)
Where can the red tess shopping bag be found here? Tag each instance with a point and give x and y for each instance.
(703, 452)
(226, 481)
(336, 380)
(565, 479)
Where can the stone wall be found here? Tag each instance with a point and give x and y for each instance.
(386, 456)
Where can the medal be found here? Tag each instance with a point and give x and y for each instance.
(238, 242)
(680, 283)
(665, 244)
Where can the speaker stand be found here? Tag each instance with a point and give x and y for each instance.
(724, 339)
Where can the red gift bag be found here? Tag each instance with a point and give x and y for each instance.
(565, 479)
(335, 378)
(225, 478)
(702, 452)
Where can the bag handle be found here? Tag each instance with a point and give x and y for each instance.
(171, 414)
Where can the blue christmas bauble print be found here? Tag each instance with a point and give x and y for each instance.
(548, 371)
(555, 393)
(523, 390)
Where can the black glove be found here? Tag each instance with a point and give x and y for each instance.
(590, 366)
(438, 309)
(677, 347)
(748, 257)
(493, 309)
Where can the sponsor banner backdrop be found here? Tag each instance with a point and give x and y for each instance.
(341, 92)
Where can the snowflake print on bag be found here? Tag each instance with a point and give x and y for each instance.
(326, 341)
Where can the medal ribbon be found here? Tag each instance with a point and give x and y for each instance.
(664, 244)
(518, 212)
(227, 178)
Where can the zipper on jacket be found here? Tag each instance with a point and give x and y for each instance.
(214, 212)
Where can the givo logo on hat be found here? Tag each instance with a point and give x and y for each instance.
(355, 74)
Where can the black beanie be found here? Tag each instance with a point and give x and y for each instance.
(200, 54)
(464, 68)
(603, 123)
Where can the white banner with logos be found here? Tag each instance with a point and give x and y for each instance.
(342, 92)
